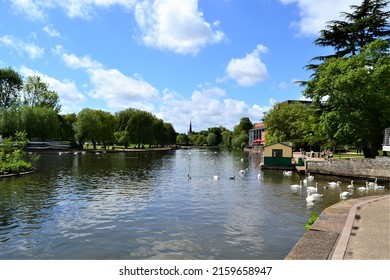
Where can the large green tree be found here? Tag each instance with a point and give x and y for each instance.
(292, 122)
(37, 93)
(11, 83)
(365, 23)
(88, 126)
(355, 92)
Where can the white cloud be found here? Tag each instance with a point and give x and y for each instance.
(70, 98)
(49, 29)
(249, 70)
(207, 107)
(315, 14)
(110, 85)
(37, 9)
(119, 90)
(33, 51)
(180, 28)
(75, 62)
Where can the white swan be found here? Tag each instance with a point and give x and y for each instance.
(366, 188)
(243, 171)
(313, 197)
(287, 173)
(372, 184)
(351, 185)
(334, 184)
(258, 175)
(376, 187)
(297, 186)
(345, 195)
(216, 177)
(313, 189)
(310, 177)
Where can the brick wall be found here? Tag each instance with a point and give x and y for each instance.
(359, 168)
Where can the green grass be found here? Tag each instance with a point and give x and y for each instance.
(311, 221)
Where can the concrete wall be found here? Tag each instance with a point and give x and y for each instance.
(359, 168)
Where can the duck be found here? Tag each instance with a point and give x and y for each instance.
(243, 171)
(188, 177)
(313, 189)
(232, 178)
(334, 184)
(350, 186)
(297, 186)
(345, 195)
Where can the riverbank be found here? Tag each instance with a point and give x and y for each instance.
(355, 229)
(80, 151)
(13, 174)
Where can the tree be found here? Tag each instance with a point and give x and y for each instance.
(363, 25)
(37, 93)
(39, 122)
(356, 97)
(9, 121)
(87, 126)
(244, 125)
(290, 122)
(66, 127)
(11, 83)
(140, 127)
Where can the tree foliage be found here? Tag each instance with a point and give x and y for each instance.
(37, 93)
(356, 97)
(11, 83)
(291, 122)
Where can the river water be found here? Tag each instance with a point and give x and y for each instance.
(142, 205)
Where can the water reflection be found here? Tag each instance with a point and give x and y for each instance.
(142, 206)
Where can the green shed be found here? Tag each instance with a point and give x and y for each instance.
(278, 155)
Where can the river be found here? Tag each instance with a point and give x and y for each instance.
(143, 205)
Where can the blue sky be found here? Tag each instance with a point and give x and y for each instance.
(210, 62)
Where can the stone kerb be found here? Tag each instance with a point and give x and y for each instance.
(359, 168)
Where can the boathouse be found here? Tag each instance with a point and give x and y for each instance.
(278, 156)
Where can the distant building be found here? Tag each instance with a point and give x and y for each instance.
(190, 129)
(257, 135)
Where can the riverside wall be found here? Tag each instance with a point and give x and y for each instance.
(356, 168)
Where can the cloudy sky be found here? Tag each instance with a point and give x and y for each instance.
(210, 62)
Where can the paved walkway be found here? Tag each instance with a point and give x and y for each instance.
(354, 229)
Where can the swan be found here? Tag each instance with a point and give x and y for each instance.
(372, 184)
(376, 187)
(216, 177)
(313, 197)
(351, 185)
(334, 184)
(345, 195)
(313, 189)
(310, 177)
(287, 173)
(363, 188)
(297, 186)
(258, 175)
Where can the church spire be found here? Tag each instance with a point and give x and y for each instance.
(190, 130)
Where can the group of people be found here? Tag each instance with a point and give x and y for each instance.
(324, 154)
